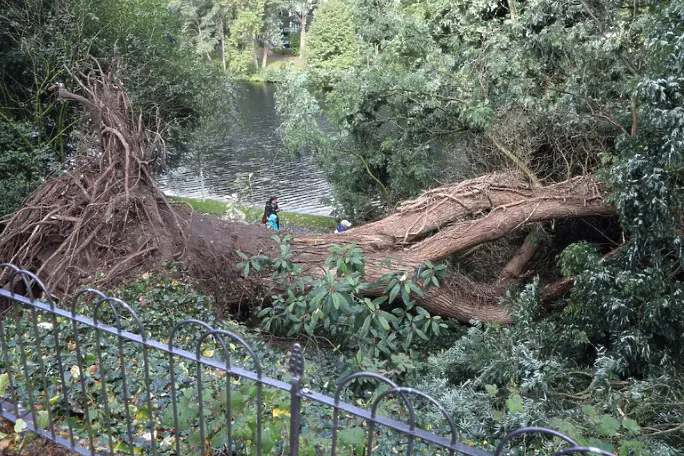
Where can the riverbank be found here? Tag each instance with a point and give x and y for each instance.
(293, 220)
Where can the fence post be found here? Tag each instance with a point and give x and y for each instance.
(297, 372)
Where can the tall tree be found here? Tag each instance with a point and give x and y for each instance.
(332, 41)
(302, 9)
(271, 28)
(202, 25)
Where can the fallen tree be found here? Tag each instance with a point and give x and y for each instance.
(107, 214)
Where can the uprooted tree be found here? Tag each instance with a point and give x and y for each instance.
(105, 213)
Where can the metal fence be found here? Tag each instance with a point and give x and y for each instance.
(112, 402)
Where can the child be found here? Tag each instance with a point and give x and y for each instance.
(273, 222)
(271, 208)
(344, 224)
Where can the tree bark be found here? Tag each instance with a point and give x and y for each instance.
(264, 57)
(303, 17)
(499, 209)
(223, 48)
(508, 217)
(516, 265)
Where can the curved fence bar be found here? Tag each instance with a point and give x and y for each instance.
(107, 403)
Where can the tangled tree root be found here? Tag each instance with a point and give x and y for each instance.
(105, 213)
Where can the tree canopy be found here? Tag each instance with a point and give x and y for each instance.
(447, 90)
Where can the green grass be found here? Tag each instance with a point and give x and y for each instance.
(213, 207)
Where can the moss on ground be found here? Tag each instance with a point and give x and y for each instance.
(218, 208)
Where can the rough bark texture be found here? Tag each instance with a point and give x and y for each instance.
(450, 220)
(303, 18)
(264, 56)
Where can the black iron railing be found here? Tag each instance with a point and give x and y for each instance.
(107, 401)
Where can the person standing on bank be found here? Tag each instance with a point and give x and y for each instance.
(271, 208)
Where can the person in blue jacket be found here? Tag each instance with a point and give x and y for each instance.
(343, 226)
(271, 208)
(273, 222)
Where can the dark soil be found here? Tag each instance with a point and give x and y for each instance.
(211, 256)
(33, 445)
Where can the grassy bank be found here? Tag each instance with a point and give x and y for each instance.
(218, 208)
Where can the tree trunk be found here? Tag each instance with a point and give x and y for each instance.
(516, 265)
(223, 49)
(264, 57)
(436, 226)
(303, 17)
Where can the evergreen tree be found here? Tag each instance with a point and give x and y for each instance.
(332, 44)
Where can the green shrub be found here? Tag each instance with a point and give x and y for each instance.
(22, 165)
(379, 332)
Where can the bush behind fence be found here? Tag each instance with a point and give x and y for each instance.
(98, 384)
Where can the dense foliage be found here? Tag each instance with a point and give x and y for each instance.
(242, 34)
(44, 43)
(403, 95)
(446, 90)
(332, 39)
(374, 334)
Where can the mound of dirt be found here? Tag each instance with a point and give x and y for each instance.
(105, 219)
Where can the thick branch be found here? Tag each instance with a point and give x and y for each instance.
(441, 206)
(516, 265)
(580, 199)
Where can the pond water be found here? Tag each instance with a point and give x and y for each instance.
(252, 147)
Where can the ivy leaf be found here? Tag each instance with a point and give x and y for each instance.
(608, 426)
(632, 447)
(632, 426)
(268, 438)
(19, 426)
(492, 390)
(601, 445)
(515, 404)
(590, 411)
(352, 436)
(43, 419)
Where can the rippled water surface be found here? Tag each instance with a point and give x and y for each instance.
(254, 147)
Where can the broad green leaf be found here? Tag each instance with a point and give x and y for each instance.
(338, 299)
(608, 426)
(352, 437)
(4, 381)
(394, 292)
(632, 426)
(43, 419)
(515, 404)
(383, 323)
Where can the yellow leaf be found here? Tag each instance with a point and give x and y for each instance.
(208, 353)
(277, 412)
